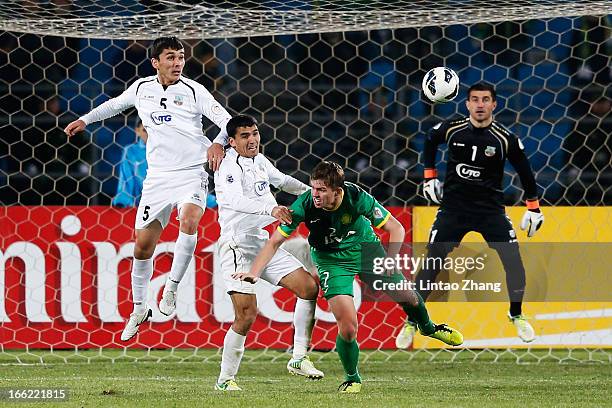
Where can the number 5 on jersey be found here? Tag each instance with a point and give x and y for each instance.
(146, 213)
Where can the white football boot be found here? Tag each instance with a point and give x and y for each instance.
(136, 319)
(406, 335)
(167, 304)
(304, 367)
(523, 328)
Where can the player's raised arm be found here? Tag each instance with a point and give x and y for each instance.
(106, 110)
(74, 127)
(432, 189)
(533, 218)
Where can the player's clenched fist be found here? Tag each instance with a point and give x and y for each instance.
(74, 127)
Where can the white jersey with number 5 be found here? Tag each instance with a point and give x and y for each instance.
(172, 116)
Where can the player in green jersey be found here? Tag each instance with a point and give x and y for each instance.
(340, 216)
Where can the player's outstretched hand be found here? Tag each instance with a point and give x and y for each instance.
(245, 276)
(532, 221)
(215, 155)
(283, 214)
(74, 127)
(432, 190)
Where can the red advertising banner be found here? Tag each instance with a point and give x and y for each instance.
(65, 280)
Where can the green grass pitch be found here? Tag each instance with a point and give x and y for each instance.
(404, 379)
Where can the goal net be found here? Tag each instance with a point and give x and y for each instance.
(332, 80)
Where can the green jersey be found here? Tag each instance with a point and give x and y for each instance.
(347, 226)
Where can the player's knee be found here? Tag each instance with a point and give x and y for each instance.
(245, 317)
(189, 218)
(348, 330)
(309, 290)
(143, 250)
(189, 225)
(242, 327)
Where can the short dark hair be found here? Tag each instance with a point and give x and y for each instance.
(239, 121)
(330, 173)
(165, 43)
(482, 86)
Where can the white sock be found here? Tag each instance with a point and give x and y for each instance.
(303, 321)
(142, 270)
(233, 349)
(183, 253)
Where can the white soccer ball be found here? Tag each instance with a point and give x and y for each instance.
(441, 84)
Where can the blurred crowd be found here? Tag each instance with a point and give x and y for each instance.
(351, 97)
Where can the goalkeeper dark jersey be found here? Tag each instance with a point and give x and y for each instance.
(475, 168)
(347, 226)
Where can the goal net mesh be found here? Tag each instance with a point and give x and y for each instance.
(332, 80)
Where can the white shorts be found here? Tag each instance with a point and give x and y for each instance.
(237, 253)
(162, 191)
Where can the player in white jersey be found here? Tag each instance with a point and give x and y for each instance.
(246, 205)
(171, 108)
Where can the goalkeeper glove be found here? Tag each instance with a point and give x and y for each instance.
(432, 190)
(533, 218)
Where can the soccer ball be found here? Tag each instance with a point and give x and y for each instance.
(441, 84)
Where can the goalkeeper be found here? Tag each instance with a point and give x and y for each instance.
(340, 216)
(478, 147)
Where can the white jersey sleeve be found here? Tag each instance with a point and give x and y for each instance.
(213, 110)
(230, 194)
(113, 106)
(283, 181)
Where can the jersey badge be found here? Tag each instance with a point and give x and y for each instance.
(178, 100)
(377, 213)
(229, 178)
(261, 187)
(490, 151)
(346, 219)
(217, 109)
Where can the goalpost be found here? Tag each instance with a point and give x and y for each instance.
(333, 80)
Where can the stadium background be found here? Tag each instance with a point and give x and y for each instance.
(352, 97)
